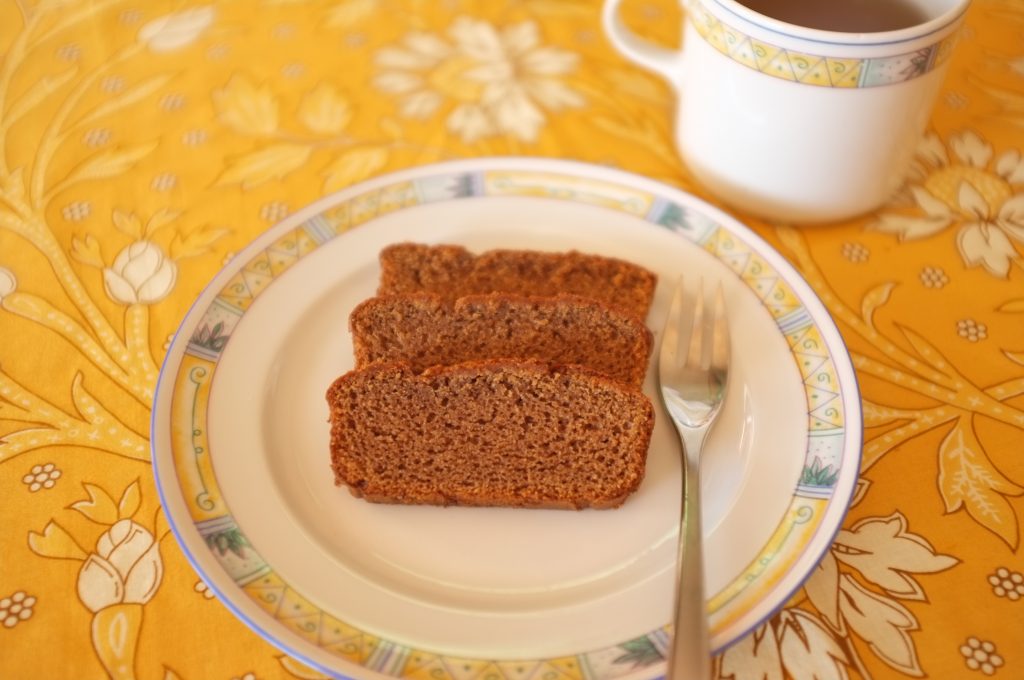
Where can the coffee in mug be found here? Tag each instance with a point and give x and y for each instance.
(847, 16)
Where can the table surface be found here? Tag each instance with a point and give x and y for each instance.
(142, 144)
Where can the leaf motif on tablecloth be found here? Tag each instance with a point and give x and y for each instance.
(886, 553)
(55, 542)
(107, 164)
(87, 250)
(195, 241)
(969, 479)
(128, 504)
(99, 507)
(172, 32)
(873, 299)
(882, 622)
(269, 163)
(965, 185)
(348, 13)
(808, 649)
(822, 589)
(246, 107)
(754, 657)
(353, 166)
(927, 351)
(38, 92)
(324, 110)
(856, 592)
(128, 224)
(324, 113)
(1015, 306)
(132, 95)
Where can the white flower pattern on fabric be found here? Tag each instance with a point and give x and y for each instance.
(173, 101)
(193, 137)
(41, 477)
(274, 211)
(130, 16)
(16, 608)
(76, 211)
(96, 137)
(112, 84)
(971, 330)
(1006, 583)
(973, 189)
(165, 181)
(933, 277)
(126, 568)
(856, 252)
(492, 81)
(981, 656)
(69, 52)
(141, 273)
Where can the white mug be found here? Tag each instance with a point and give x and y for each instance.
(798, 123)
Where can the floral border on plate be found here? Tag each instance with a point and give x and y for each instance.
(258, 580)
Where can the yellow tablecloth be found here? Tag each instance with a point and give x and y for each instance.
(143, 143)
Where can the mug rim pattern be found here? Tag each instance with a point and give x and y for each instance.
(816, 69)
(784, 29)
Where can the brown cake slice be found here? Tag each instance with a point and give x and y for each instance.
(425, 329)
(499, 432)
(455, 272)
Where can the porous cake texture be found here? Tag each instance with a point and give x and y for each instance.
(453, 271)
(513, 433)
(426, 329)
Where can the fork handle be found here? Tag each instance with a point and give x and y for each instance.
(690, 655)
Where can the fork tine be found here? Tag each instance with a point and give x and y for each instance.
(695, 353)
(720, 342)
(670, 338)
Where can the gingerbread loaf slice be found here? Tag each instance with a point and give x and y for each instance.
(425, 329)
(499, 432)
(454, 272)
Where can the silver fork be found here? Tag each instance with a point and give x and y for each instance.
(693, 369)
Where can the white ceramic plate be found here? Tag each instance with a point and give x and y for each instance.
(356, 589)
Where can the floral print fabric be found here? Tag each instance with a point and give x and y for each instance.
(143, 144)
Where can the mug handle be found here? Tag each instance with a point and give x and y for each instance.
(666, 62)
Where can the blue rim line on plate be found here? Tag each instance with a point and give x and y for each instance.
(666, 196)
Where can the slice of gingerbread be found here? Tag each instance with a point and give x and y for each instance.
(425, 329)
(501, 432)
(453, 271)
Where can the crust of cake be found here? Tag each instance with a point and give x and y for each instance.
(426, 329)
(514, 433)
(455, 272)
